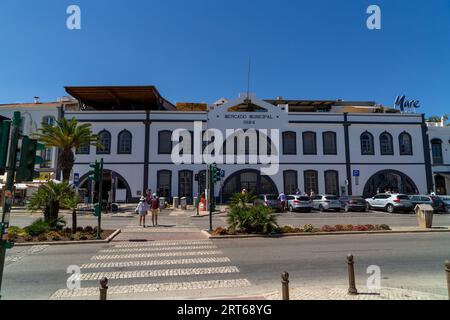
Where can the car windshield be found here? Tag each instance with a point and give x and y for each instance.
(332, 198)
(402, 197)
(272, 197)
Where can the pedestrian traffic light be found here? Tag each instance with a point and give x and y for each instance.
(95, 174)
(5, 127)
(28, 159)
(97, 210)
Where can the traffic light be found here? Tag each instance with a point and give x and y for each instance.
(28, 159)
(97, 210)
(96, 173)
(5, 127)
(215, 174)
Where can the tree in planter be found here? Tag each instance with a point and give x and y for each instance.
(71, 203)
(67, 135)
(241, 200)
(49, 198)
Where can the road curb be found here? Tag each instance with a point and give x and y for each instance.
(66, 243)
(252, 236)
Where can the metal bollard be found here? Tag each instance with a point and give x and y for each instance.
(351, 275)
(285, 286)
(447, 270)
(103, 288)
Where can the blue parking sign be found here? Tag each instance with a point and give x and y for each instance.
(356, 173)
(76, 179)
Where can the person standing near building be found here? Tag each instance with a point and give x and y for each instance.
(154, 207)
(142, 209)
(283, 201)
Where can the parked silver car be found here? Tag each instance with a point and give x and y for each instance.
(326, 202)
(390, 202)
(299, 203)
(268, 200)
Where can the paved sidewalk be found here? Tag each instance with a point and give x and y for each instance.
(341, 293)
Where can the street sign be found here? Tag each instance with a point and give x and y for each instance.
(76, 179)
(222, 173)
(356, 173)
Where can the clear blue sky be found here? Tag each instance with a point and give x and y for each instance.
(198, 50)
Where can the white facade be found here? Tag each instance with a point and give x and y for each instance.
(440, 153)
(355, 172)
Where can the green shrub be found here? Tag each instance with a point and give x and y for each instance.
(256, 219)
(383, 227)
(308, 228)
(88, 229)
(16, 232)
(38, 227)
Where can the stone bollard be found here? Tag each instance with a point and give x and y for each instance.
(351, 275)
(447, 270)
(103, 288)
(285, 286)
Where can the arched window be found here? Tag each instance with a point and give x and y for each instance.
(386, 145)
(367, 144)
(405, 143)
(124, 142)
(165, 142)
(289, 143)
(329, 143)
(311, 182)
(104, 138)
(436, 148)
(164, 183)
(309, 143)
(290, 181)
(332, 182)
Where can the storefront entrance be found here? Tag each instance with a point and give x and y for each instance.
(389, 181)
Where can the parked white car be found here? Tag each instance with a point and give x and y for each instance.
(390, 203)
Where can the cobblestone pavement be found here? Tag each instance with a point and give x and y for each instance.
(142, 269)
(341, 293)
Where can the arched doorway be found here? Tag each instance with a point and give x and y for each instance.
(248, 179)
(389, 180)
(115, 188)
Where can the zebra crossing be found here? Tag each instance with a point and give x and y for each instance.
(154, 267)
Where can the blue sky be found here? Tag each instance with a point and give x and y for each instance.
(198, 50)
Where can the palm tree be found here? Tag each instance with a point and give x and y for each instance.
(67, 135)
(71, 203)
(49, 198)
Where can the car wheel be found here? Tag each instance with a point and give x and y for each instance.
(346, 209)
(390, 208)
(321, 209)
(291, 209)
(368, 207)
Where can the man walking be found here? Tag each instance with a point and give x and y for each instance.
(154, 207)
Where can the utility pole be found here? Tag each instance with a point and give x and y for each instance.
(8, 192)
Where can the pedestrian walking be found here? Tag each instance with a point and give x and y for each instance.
(154, 207)
(142, 209)
(298, 192)
(283, 201)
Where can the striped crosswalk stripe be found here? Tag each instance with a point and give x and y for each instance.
(147, 263)
(162, 243)
(152, 287)
(155, 249)
(158, 273)
(157, 254)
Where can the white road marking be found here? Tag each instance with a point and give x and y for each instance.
(163, 243)
(157, 254)
(153, 287)
(158, 273)
(124, 264)
(154, 249)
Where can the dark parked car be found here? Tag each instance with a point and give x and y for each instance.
(441, 204)
(268, 200)
(299, 203)
(421, 199)
(353, 203)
